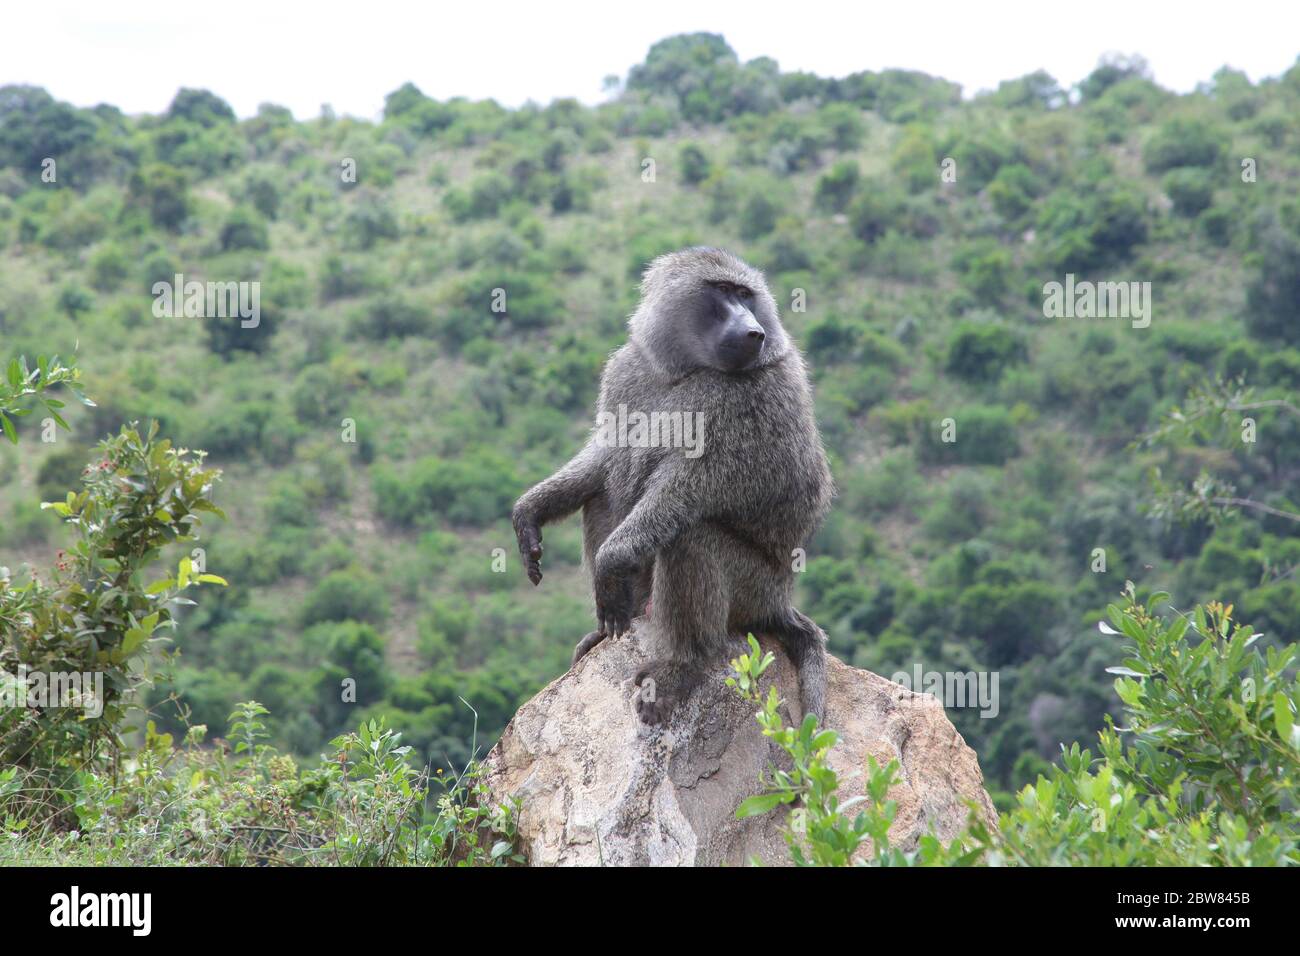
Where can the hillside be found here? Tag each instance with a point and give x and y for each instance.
(909, 236)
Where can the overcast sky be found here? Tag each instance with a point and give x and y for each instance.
(350, 54)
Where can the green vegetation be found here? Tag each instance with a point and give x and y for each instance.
(241, 803)
(1204, 772)
(439, 289)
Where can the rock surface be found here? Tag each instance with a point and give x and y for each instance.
(599, 788)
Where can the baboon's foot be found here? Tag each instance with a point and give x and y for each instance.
(661, 686)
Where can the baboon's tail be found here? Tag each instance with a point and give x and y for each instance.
(805, 643)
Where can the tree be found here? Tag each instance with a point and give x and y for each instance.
(161, 190)
(694, 163)
(409, 107)
(345, 595)
(74, 300)
(980, 352)
(1209, 408)
(836, 188)
(703, 75)
(35, 126)
(1273, 291)
(1112, 68)
(201, 108)
(680, 64)
(1183, 142)
(244, 229)
(877, 209)
(1190, 190)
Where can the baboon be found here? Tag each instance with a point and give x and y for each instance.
(706, 536)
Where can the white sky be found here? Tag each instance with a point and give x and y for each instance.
(350, 54)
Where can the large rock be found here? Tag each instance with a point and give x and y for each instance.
(597, 787)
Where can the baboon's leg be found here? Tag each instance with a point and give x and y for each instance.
(691, 599)
(598, 521)
(643, 590)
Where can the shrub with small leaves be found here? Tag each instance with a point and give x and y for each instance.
(1204, 772)
(95, 614)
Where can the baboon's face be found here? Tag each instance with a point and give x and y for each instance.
(729, 335)
(703, 308)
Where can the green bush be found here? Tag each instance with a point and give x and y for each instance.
(482, 200)
(476, 489)
(248, 805)
(980, 352)
(843, 125)
(694, 163)
(201, 107)
(369, 221)
(1273, 287)
(244, 229)
(876, 210)
(357, 650)
(1190, 190)
(1009, 621)
(140, 495)
(836, 188)
(985, 270)
(983, 435)
(161, 190)
(1206, 758)
(1084, 231)
(348, 595)
(230, 334)
(1013, 191)
(758, 214)
(835, 339)
(1183, 142)
(393, 315)
(1112, 68)
(263, 190)
(74, 300)
(344, 278)
(109, 266)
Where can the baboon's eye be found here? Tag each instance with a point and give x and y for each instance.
(744, 293)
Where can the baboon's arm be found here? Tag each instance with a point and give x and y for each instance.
(557, 497)
(672, 502)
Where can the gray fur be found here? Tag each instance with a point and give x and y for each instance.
(709, 539)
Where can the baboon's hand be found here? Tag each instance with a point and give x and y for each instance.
(529, 536)
(613, 602)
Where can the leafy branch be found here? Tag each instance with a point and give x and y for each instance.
(21, 382)
(1208, 408)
